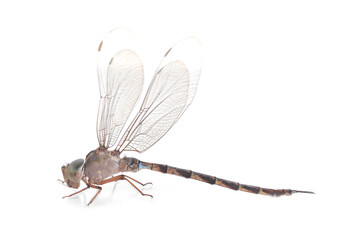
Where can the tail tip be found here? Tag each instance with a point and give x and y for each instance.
(298, 191)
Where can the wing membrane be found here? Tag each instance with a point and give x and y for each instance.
(170, 93)
(120, 74)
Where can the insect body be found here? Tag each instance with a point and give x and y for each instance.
(171, 91)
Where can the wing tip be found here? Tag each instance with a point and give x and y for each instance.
(100, 46)
(168, 51)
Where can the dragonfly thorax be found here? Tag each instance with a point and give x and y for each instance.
(101, 164)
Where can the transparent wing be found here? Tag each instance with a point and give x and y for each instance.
(169, 94)
(120, 76)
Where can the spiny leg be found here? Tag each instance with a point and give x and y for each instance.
(143, 194)
(124, 177)
(99, 190)
(62, 181)
(142, 184)
(93, 186)
(77, 192)
(88, 186)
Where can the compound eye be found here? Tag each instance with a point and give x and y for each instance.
(76, 165)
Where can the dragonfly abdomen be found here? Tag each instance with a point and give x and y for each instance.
(215, 180)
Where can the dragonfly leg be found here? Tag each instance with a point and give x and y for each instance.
(142, 184)
(88, 186)
(99, 190)
(124, 177)
(93, 186)
(62, 181)
(77, 192)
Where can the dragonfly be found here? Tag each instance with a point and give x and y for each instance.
(171, 91)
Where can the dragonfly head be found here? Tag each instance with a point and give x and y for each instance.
(72, 173)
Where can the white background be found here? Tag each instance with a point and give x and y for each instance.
(274, 108)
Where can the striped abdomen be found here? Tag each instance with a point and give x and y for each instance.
(214, 180)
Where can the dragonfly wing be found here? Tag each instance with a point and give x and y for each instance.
(121, 76)
(169, 94)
